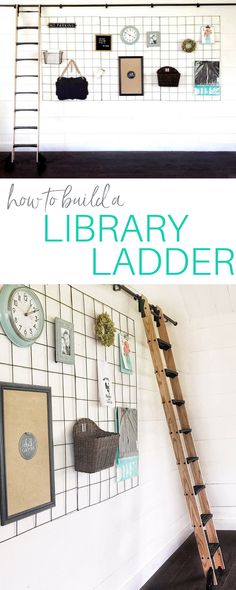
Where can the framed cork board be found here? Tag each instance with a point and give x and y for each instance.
(131, 76)
(27, 473)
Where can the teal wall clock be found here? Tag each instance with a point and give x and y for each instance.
(21, 314)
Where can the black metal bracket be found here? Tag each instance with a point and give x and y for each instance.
(156, 315)
(141, 309)
(154, 309)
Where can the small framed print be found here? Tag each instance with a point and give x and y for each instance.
(64, 336)
(207, 35)
(26, 451)
(153, 38)
(103, 42)
(131, 76)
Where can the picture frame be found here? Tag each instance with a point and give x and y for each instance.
(64, 342)
(125, 354)
(153, 39)
(207, 35)
(131, 76)
(103, 42)
(26, 451)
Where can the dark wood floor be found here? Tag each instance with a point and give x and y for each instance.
(183, 570)
(124, 165)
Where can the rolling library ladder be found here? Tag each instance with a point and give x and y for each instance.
(27, 85)
(182, 440)
(181, 436)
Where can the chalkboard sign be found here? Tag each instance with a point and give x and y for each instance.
(103, 42)
(62, 25)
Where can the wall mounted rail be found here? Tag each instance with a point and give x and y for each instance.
(138, 298)
(160, 5)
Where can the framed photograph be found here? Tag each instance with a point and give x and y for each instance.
(64, 335)
(207, 35)
(153, 38)
(26, 451)
(103, 42)
(125, 354)
(131, 76)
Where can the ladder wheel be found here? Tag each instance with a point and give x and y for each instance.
(42, 159)
(9, 166)
(42, 164)
(41, 167)
(220, 571)
(210, 580)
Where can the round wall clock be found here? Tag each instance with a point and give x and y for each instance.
(21, 314)
(129, 35)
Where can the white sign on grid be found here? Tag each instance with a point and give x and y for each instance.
(79, 43)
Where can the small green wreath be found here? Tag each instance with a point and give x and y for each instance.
(189, 45)
(105, 329)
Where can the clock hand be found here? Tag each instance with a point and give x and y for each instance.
(30, 312)
(28, 309)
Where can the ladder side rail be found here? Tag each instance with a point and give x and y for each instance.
(39, 83)
(15, 82)
(201, 540)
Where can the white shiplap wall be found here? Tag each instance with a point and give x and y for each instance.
(132, 125)
(119, 544)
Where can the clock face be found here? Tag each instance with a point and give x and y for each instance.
(129, 35)
(25, 314)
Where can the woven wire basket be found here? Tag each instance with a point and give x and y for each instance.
(52, 57)
(95, 449)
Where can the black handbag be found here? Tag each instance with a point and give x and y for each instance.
(71, 88)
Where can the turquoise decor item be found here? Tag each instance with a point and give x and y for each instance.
(127, 468)
(21, 314)
(125, 355)
(127, 456)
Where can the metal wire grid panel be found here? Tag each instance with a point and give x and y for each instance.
(79, 43)
(74, 396)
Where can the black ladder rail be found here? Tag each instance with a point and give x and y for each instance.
(138, 298)
(127, 5)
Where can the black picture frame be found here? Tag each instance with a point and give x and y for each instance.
(7, 516)
(103, 42)
(131, 82)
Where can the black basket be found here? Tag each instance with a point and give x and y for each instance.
(95, 449)
(168, 76)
